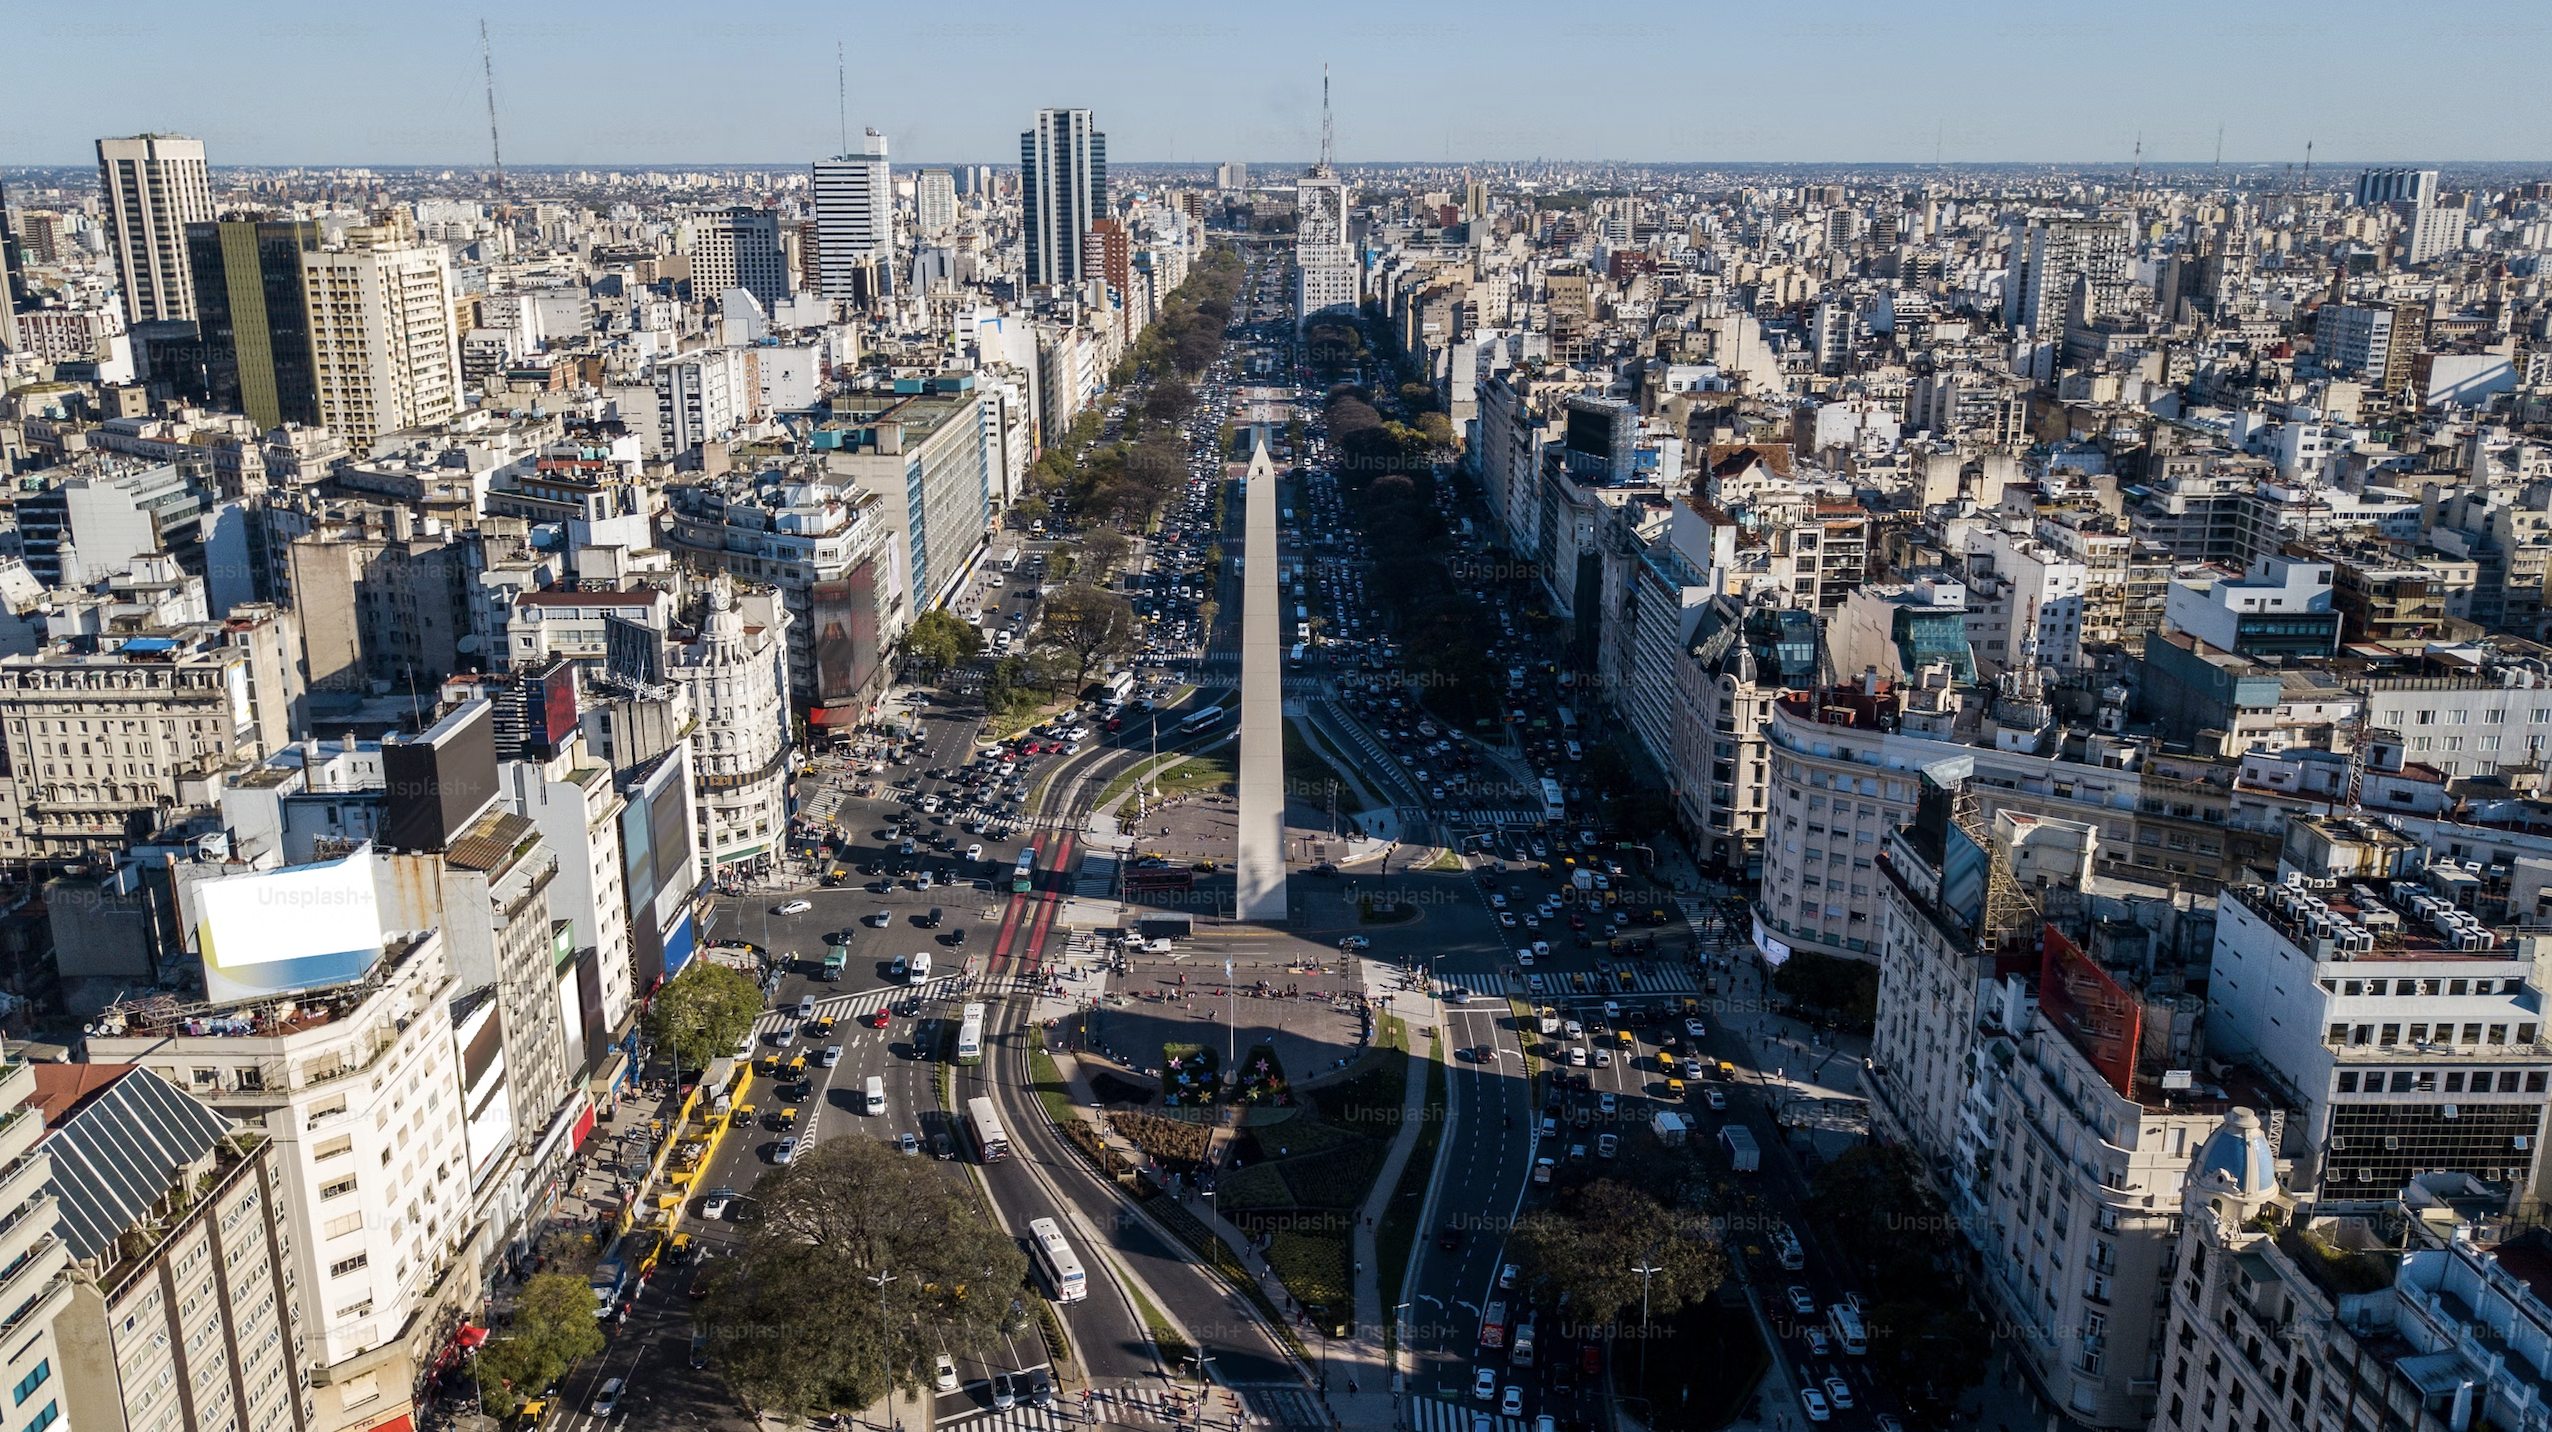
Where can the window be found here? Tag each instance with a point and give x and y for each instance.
(51, 1414)
(343, 1266)
(338, 1189)
(27, 1385)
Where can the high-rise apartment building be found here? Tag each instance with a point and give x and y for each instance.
(855, 219)
(2048, 256)
(2416, 187)
(737, 669)
(1232, 177)
(935, 202)
(1063, 186)
(254, 314)
(387, 355)
(741, 248)
(1326, 275)
(152, 186)
(2353, 339)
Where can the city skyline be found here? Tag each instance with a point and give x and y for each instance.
(1202, 88)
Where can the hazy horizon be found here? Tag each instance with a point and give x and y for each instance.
(648, 85)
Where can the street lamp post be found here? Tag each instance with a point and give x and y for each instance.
(1645, 1270)
(885, 1358)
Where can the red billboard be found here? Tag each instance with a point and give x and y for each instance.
(557, 697)
(2094, 1011)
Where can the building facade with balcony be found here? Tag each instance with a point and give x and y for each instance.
(358, 1086)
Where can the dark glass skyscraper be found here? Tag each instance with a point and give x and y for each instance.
(254, 318)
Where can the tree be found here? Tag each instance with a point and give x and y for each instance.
(1090, 625)
(794, 1320)
(938, 640)
(554, 1328)
(704, 1012)
(1100, 549)
(1169, 401)
(1031, 509)
(1586, 1243)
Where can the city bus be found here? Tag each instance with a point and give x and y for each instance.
(1210, 716)
(1023, 874)
(1554, 809)
(991, 1144)
(970, 1036)
(1062, 1266)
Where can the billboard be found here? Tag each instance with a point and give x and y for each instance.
(302, 927)
(845, 613)
(437, 781)
(2091, 1009)
(555, 717)
(487, 1110)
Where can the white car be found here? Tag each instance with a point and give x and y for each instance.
(1814, 1402)
(1511, 1403)
(882, 919)
(1838, 1392)
(1524, 957)
(786, 1151)
(943, 1374)
(975, 851)
(795, 907)
(1484, 1383)
(1696, 1029)
(1542, 948)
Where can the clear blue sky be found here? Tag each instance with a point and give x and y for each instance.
(642, 82)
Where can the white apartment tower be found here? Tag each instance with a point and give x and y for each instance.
(935, 202)
(152, 186)
(855, 217)
(1063, 187)
(737, 670)
(388, 356)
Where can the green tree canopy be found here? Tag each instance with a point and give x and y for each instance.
(702, 1012)
(938, 640)
(1089, 625)
(1100, 550)
(553, 1329)
(1587, 1243)
(794, 1318)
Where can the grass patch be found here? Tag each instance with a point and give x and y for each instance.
(1211, 771)
(1339, 1179)
(1306, 767)
(1445, 861)
(1257, 1186)
(1174, 1349)
(1291, 1139)
(1316, 1265)
(1051, 1093)
(1397, 912)
(1399, 1230)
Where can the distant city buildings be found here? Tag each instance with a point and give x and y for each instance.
(855, 222)
(150, 188)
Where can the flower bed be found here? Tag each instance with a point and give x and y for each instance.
(1173, 1143)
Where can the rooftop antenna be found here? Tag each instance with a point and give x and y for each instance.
(496, 151)
(1325, 148)
(2308, 164)
(2136, 180)
(842, 95)
(2219, 144)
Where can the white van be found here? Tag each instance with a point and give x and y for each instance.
(917, 969)
(873, 1099)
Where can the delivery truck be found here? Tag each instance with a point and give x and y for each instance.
(1743, 1156)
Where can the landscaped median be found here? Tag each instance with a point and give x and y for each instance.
(1398, 1233)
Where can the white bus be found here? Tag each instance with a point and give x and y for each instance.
(970, 1035)
(1845, 1320)
(1210, 716)
(1554, 809)
(991, 1144)
(1062, 1266)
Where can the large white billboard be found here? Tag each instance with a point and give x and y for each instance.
(302, 927)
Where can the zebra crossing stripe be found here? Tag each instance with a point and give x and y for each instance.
(1430, 1414)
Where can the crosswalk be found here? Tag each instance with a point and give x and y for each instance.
(852, 1006)
(1643, 980)
(1141, 1407)
(1434, 1414)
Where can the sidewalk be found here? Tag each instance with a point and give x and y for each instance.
(1363, 1395)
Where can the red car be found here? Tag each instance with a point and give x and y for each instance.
(877, 1020)
(1588, 1358)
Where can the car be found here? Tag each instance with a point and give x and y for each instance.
(786, 1151)
(880, 920)
(608, 1400)
(1612, 1009)
(1816, 1341)
(1497, 902)
(1005, 1393)
(1523, 957)
(1607, 1105)
(1801, 1302)
(1506, 1277)
(1577, 1056)
(941, 1147)
(1040, 1387)
(943, 1373)
(699, 1349)
(975, 851)
(795, 907)
(1717, 1101)
(875, 1019)
(1694, 1069)
(1449, 1237)
(832, 1055)
(1814, 1402)
(1574, 1029)
(806, 1008)
(1837, 1391)
(1696, 1029)
(1511, 1402)
(1607, 1145)
(908, 1145)
(1354, 942)
(1506, 919)
(1484, 1383)
(1546, 1423)
(713, 1204)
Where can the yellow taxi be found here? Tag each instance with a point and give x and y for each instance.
(1674, 1088)
(742, 1118)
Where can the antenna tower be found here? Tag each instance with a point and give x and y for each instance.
(1325, 137)
(2308, 164)
(495, 150)
(2136, 180)
(842, 96)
